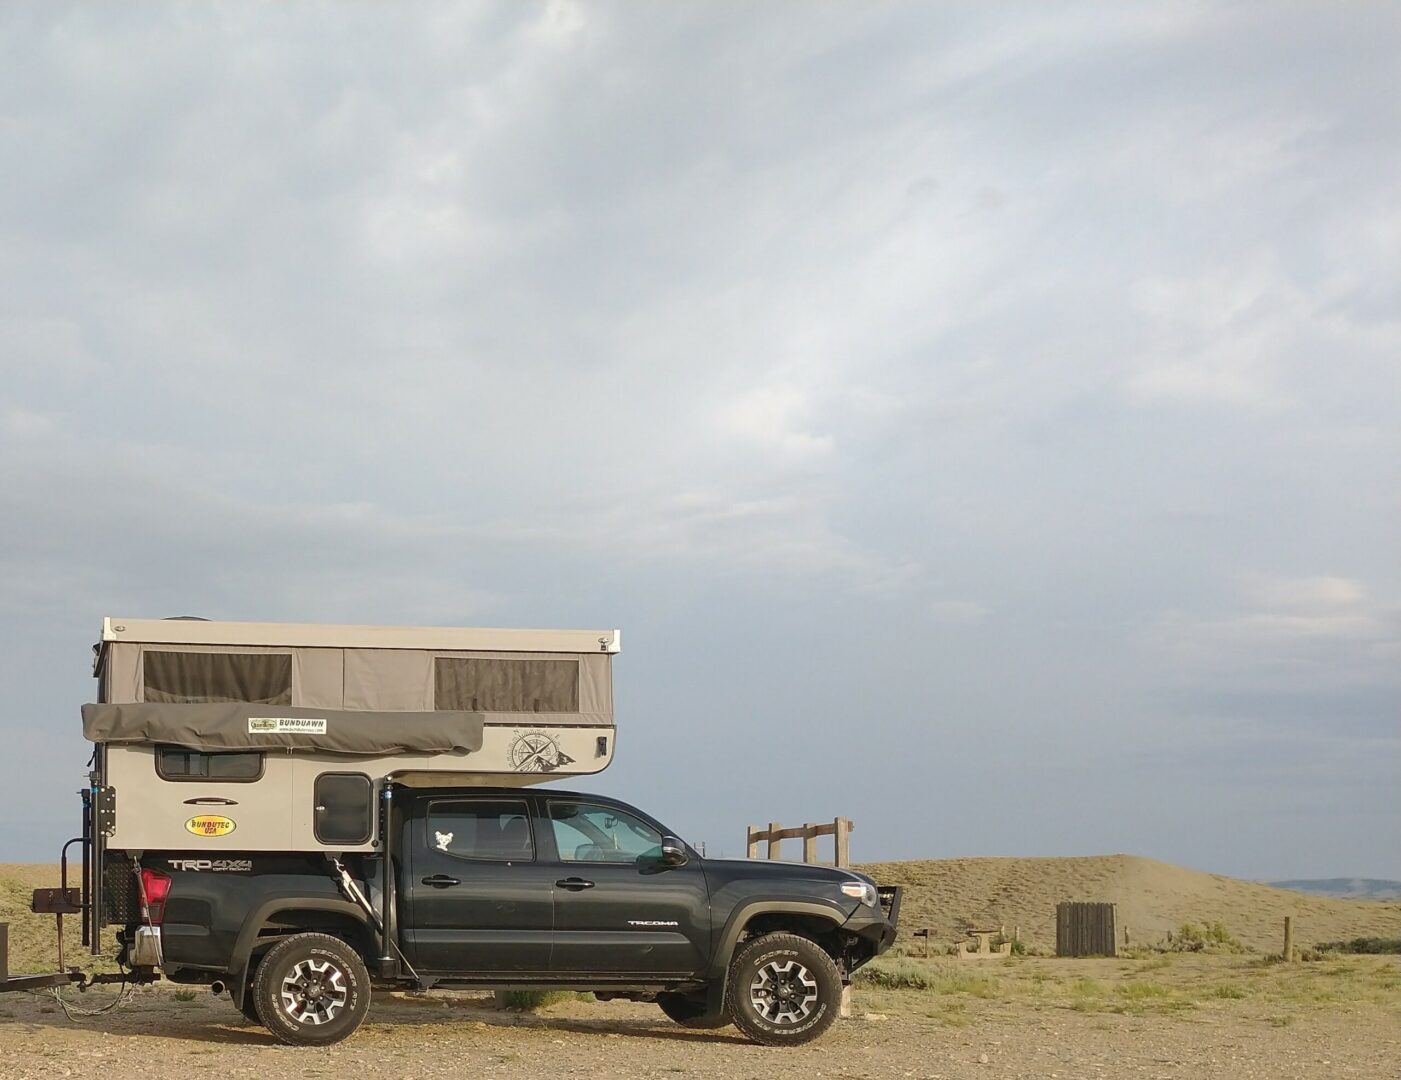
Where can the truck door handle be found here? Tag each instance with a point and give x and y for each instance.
(574, 884)
(210, 800)
(441, 881)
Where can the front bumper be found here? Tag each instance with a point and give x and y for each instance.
(878, 926)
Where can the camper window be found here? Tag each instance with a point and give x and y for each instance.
(177, 763)
(496, 830)
(474, 684)
(190, 678)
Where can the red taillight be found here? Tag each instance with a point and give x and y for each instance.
(155, 887)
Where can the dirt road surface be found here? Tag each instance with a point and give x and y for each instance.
(157, 1035)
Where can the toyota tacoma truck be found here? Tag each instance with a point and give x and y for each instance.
(504, 888)
(298, 814)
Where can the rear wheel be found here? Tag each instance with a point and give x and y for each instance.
(783, 990)
(311, 990)
(688, 1010)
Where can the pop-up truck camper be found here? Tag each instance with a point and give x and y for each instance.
(294, 814)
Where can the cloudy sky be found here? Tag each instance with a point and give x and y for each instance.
(982, 422)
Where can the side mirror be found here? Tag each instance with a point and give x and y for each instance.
(673, 852)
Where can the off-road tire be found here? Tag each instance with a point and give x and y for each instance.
(323, 960)
(791, 960)
(688, 1010)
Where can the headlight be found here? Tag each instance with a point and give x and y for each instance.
(863, 891)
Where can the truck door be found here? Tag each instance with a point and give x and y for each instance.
(618, 909)
(480, 900)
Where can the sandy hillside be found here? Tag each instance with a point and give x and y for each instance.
(1152, 898)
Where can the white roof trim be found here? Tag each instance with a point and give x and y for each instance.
(334, 636)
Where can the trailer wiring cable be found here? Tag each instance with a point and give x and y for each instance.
(127, 993)
(78, 1013)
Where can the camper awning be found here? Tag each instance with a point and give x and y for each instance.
(241, 726)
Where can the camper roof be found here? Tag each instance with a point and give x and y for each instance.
(335, 636)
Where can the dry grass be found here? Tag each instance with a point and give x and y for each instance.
(1182, 985)
(33, 941)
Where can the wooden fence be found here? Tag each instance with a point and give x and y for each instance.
(1085, 929)
(839, 829)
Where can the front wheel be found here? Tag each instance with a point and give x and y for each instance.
(783, 990)
(311, 990)
(688, 1010)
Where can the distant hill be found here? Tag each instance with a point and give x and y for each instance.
(1153, 898)
(1345, 888)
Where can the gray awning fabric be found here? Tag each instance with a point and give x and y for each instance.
(241, 726)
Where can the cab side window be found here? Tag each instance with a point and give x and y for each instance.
(588, 832)
(494, 830)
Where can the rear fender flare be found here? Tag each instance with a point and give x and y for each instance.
(261, 917)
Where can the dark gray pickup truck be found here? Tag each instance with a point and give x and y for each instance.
(504, 888)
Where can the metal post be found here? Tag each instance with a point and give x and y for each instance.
(386, 920)
(87, 866)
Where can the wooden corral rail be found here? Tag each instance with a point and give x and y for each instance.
(840, 829)
(1085, 929)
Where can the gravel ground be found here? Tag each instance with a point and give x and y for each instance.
(464, 1036)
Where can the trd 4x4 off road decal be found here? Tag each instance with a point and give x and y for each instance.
(218, 866)
(534, 751)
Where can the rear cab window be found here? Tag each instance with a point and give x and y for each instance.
(482, 829)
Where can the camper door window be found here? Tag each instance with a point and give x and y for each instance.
(238, 766)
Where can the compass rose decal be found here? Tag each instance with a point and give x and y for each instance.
(534, 751)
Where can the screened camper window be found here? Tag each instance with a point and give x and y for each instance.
(189, 678)
(473, 684)
(344, 803)
(177, 763)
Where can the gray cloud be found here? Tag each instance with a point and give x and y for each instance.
(988, 415)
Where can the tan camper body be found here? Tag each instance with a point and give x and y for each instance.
(235, 737)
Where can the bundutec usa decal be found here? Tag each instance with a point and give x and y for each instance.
(210, 825)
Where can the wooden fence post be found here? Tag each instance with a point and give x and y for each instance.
(842, 833)
(774, 841)
(752, 844)
(810, 846)
(1289, 939)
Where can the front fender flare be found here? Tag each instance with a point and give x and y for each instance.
(734, 927)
